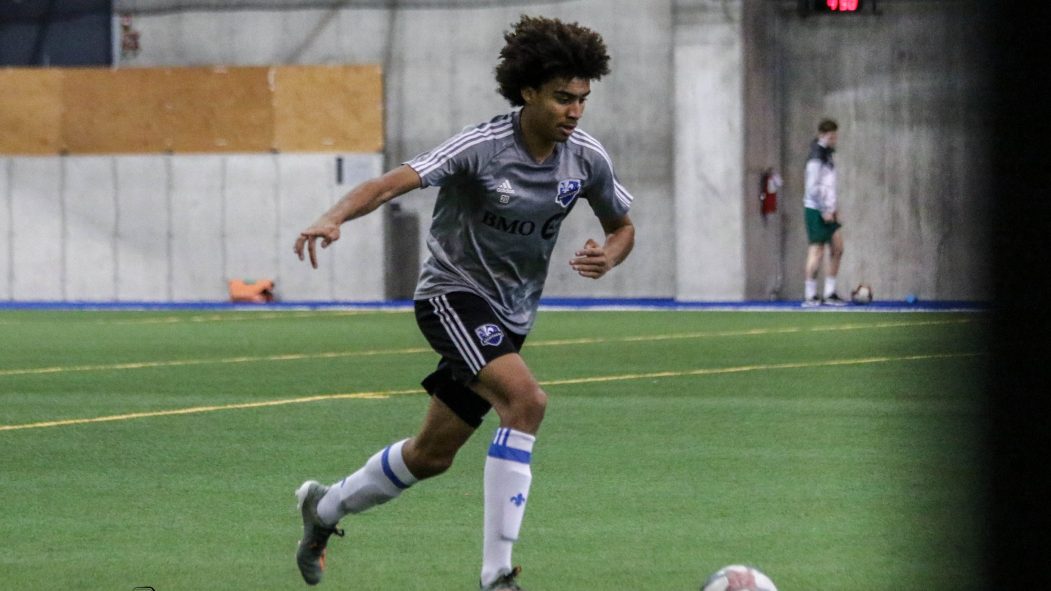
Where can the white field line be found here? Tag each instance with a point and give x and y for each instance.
(561, 382)
(418, 350)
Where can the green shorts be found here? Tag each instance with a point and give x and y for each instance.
(818, 231)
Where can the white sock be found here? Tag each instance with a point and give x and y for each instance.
(382, 478)
(810, 289)
(830, 286)
(507, 479)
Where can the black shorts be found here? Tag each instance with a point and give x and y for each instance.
(465, 331)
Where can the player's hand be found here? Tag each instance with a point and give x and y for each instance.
(327, 232)
(591, 261)
(829, 217)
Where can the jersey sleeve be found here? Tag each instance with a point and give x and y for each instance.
(460, 154)
(607, 197)
(436, 166)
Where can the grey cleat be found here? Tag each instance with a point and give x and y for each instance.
(310, 556)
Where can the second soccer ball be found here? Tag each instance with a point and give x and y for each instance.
(738, 577)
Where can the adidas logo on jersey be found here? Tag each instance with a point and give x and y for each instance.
(505, 187)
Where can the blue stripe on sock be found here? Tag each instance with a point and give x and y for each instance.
(503, 452)
(390, 473)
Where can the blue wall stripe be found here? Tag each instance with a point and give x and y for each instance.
(549, 303)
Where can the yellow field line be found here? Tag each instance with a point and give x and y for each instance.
(204, 409)
(562, 382)
(418, 350)
(227, 360)
(748, 368)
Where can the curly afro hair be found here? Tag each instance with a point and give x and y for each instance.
(540, 49)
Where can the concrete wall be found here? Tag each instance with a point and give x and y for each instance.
(909, 90)
(764, 237)
(162, 228)
(709, 151)
(438, 68)
(704, 94)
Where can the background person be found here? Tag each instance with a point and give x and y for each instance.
(822, 217)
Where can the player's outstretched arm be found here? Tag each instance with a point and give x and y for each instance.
(361, 200)
(594, 261)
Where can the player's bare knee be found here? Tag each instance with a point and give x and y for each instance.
(528, 408)
(426, 461)
(427, 464)
(435, 465)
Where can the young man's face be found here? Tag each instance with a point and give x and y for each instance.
(555, 108)
(828, 138)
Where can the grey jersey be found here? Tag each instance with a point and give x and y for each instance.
(498, 212)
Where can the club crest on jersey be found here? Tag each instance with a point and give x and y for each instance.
(489, 334)
(567, 191)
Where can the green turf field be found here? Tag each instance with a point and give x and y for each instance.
(833, 450)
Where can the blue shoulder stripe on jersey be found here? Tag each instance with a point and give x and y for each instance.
(385, 462)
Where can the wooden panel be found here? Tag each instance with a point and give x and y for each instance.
(30, 111)
(115, 111)
(220, 110)
(328, 109)
(191, 110)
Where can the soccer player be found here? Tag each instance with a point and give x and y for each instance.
(505, 187)
(822, 217)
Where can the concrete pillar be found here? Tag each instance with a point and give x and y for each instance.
(709, 151)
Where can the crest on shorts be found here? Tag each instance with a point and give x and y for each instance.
(567, 191)
(489, 334)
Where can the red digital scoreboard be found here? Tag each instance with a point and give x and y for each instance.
(835, 6)
(842, 5)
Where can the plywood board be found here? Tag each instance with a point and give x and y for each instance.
(116, 111)
(30, 111)
(316, 109)
(220, 110)
(328, 109)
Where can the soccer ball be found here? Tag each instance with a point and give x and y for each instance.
(738, 577)
(862, 294)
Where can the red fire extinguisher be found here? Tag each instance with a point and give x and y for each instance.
(769, 183)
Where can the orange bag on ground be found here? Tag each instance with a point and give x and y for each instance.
(249, 290)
